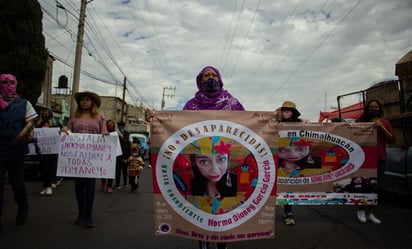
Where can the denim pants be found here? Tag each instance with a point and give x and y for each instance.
(15, 169)
(85, 190)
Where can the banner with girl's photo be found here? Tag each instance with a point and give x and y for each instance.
(327, 163)
(214, 174)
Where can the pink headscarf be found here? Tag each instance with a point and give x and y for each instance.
(8, 90)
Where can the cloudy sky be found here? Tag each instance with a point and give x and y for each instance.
(267, 51)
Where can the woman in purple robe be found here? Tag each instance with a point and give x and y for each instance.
(210, 94)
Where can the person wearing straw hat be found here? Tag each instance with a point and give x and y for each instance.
(86, 119)
(289, 113)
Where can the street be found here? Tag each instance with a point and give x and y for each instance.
(125, 220)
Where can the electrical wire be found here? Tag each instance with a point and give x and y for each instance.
(245, 39)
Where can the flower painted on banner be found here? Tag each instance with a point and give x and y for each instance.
(222, 148)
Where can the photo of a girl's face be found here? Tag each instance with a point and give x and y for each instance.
(212, 167)
(293, 153)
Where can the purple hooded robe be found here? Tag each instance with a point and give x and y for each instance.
(220, 100)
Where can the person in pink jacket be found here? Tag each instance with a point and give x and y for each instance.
(86, 119)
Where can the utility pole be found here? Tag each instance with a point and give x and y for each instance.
(167, 92)
(78, 55)
(124, 93)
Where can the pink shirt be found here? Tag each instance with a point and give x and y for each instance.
(90, 126)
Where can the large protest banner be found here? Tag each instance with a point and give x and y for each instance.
(194, 203)
(327, 163)
(87, 155)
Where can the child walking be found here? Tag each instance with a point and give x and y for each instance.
(136, 165)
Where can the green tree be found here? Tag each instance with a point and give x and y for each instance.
(22, 45)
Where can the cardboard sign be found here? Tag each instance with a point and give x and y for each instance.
(87, 155)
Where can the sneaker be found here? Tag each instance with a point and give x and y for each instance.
(59, 181)
(373, 219)
(43, 192)
(117, 187)
(133, 189)
(149, 166)
(54, 185)
(49, 191)
(109, 190)
(290, 220)
(88, 224)
(361, 216)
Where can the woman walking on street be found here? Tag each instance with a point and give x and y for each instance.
(86, 119)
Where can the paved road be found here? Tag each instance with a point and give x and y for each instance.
(125, 220)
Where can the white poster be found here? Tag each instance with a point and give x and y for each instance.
(87, 155)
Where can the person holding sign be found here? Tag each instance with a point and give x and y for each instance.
(289, 113)
(107, 184)
(16, 129)
(48, 162)
(210, 96)
(86, 119)
(373, 112)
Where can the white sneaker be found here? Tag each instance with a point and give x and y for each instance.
(43, 192)
(373, 219)
(361, 216)
(54, 185)
(49, 191)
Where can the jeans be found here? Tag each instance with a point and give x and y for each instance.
(15, 168)
(287, 210)
(85, 190)
(121, 169)
(48, 169)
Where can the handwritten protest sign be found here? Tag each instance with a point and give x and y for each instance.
(327, 163)
(242, 206)
(119, 151)
(48, 140)
(87, 155)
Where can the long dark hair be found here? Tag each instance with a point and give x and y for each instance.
(366, 116)
(198, 184)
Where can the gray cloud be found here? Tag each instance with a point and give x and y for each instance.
(292, 51)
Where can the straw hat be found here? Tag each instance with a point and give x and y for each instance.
(95, 98)
(290, 105)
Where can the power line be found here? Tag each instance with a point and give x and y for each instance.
(319, 45)
(244, 40)
(299, 39)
